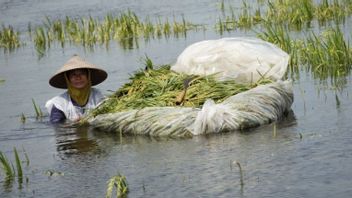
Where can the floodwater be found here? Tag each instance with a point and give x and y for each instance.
(308, 155)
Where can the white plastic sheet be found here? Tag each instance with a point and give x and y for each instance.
(242, 59)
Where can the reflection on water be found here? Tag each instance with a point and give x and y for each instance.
(72, 140)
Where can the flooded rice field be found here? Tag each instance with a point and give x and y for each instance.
(306, 154)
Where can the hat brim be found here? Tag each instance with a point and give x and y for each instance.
(97, 76)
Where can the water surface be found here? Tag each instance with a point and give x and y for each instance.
(309, 155)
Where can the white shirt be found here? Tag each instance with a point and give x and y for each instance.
(64, 103)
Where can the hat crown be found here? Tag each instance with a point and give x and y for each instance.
(76, 62)
(97, 75)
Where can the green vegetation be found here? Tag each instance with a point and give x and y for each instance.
(9, 38)
(296, 14)
(327, 55)
(18, 166)
(23, 118)
(6, 166)
(37, 109)
(125, 28)
(282, 22)
(8, 169)
(120, 183)
(162, 87)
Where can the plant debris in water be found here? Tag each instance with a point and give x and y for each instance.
(163, 87)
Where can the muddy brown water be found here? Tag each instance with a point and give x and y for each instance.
(309, 154)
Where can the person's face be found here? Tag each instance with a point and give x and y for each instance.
(78, 78)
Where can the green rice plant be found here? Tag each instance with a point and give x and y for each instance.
(294, 13)
(6, 166)
(159, 29)
(257, 18)
(26, 156)
(10, 171)
(37, 109)
(334, 10)
(167, 28)
(327, 55)
(179, 28)
(125, 28)
(9, 38)
(279, 35)
(59, 32)
(148, 63)
(148, 29)
(222, 6)
(23, 118)
(18, 167)
(245, 18)
(121, 185)
(128, 25)
(40, 41)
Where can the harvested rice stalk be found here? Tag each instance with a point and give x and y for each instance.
(163, 87)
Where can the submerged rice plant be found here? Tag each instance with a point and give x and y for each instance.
(333, 10)
(40, 41)
(9, 38)
(120, 183)
(37, 109)
(240, 170)
(18, 167)
(23, 118)
(125, 28)
(279, 35)
(246, 19)
(295, 14)
(328, 54)
(8, 168)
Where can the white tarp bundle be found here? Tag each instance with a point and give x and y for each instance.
(240, 59)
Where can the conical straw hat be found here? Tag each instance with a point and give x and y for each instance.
(97, 75)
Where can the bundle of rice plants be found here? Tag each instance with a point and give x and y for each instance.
(163, 87)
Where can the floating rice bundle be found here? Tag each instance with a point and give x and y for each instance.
(202, 92)
(260, 105)
(163, 87)
(160, 102)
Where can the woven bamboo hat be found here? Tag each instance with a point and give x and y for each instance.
(97, 75)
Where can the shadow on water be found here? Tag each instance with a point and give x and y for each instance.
(76, 140)
(82, 140)
(73, 140)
